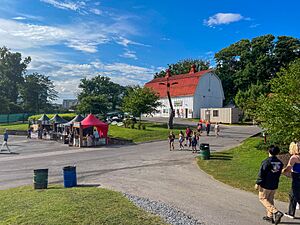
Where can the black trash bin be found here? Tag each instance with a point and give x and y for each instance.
(204, 151)
(40, 179)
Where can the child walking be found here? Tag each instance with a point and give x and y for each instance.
(181, 140)
(171, 141)
(5, 139)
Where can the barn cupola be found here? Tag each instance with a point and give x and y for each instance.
(168, 73)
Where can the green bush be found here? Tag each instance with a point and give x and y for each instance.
(66, 116)
(139, 126)
(132, 126)
(143, 127)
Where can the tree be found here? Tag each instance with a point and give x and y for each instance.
(184, 66)
(279, 111)
(249, 62)
(93, 104)
(102, 86)
(12, 69)
(37, 92)
(140, 100)
(247, 100)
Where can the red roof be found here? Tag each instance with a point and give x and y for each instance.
(187, 84)
(91, 120)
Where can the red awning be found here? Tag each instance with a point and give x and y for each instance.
(91, 120)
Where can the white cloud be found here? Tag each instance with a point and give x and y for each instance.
(19, 18)
(82, 37)
(129, 54)
(96, 11)
(223, 18)
(70, 5)
(66, 75)
(125, 42)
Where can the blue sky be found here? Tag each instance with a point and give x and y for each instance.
(130, 40)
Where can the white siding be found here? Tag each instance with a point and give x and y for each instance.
(224, 115)
(209, 93)
(182, 105)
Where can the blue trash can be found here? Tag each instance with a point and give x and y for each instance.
(70, 178)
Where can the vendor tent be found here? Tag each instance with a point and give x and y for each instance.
(91, 120)
(58, 120)
(77, 118)
(44, 120)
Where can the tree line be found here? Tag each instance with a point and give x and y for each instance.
(22, 92)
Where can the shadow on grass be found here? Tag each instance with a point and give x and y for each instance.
(289, 222)
(78, 186)
(221, 156)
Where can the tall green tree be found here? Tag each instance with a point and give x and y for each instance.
(140, 100)
(37, 93)
(102, 86)
(184, 66)
(12, 70)
(279, 111)
(248, 100)
(97, 104)
(249, 62)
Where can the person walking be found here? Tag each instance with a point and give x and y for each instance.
(194, 142)
(217, 129)
(171, 140)
(293, 169)
(267, 183)
(5, 139)
(188, 133)
(181, 140)
(29, 133)
(207, 128)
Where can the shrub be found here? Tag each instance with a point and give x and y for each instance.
(132, 126)
(143, 126)
(66, 116)
(139, 126)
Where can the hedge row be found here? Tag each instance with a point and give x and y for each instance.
(66, 116)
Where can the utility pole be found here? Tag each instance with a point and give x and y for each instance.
(168, 84)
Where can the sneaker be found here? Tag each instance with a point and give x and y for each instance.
(278, 217)
(289, 216)
(268, 219)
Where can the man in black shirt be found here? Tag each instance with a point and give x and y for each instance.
(267, 183)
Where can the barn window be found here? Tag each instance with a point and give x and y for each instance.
(215, 113)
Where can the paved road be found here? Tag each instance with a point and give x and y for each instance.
(147, 170)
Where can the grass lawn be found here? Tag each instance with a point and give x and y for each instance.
(239, 167)
(153, 132)
(13, 126)
(57, 205)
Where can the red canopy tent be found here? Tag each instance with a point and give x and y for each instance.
(91, 120)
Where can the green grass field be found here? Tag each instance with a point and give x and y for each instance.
(13, 126)
(239, 167)
(57, 205)
(153, 132)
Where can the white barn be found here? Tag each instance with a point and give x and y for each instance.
(194, 91)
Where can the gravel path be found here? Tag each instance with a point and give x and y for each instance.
(168, 213)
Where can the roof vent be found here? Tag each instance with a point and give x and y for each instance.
(193, 69)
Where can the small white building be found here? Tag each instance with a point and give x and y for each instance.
(68, 103)
(222, 115)
(189, 92)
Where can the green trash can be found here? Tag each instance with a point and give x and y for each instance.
(204, 151)
(40, 179)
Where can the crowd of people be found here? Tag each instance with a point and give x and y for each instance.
(191, 137)
(268, 181)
